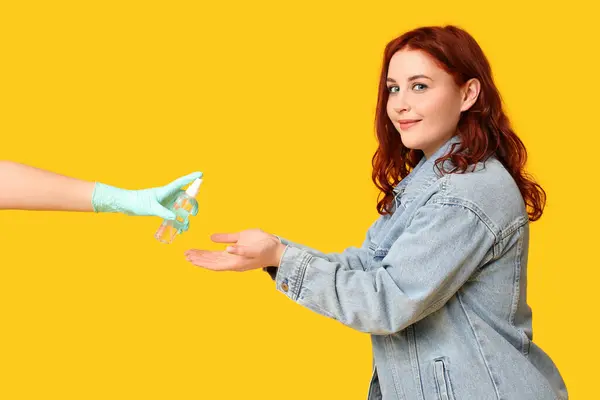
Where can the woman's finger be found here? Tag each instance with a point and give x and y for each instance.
(245, 251)
(225, 237)
(215, 260)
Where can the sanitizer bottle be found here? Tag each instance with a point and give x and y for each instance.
(183, 205)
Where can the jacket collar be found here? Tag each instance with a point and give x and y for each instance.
(424, 174)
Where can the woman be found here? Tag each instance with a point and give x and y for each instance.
(440, 280)
(23, 187)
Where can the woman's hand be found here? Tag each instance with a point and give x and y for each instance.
(250, 249)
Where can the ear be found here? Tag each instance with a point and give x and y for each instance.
(470, 93)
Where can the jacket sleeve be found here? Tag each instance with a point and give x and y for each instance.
(440, 248)
(350, 258)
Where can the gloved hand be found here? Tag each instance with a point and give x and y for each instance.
(154, 201)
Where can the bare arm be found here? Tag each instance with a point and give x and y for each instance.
(23, 187)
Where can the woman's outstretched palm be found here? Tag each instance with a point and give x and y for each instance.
(249, 249)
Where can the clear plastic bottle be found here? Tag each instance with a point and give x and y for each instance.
(183, 205)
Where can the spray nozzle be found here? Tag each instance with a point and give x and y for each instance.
(192, 190)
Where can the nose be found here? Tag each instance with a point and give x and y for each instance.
(399, 103)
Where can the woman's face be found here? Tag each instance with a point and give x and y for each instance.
(424, 102)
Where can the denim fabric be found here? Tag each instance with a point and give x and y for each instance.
(440, 285)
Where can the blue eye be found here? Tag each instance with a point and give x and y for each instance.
(419, 87)
(393, 89)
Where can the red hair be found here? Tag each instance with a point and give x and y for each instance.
(484, 129)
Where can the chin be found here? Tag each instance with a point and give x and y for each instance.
(412, 142)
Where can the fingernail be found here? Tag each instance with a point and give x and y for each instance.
(230, 248)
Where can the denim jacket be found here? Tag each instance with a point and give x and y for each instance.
(440, 285)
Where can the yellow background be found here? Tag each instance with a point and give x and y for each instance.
(274, 103)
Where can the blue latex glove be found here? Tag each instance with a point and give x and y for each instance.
(154, 201)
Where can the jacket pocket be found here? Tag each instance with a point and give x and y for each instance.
(376, 254)
(442, 380)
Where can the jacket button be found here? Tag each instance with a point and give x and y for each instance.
(284, 285)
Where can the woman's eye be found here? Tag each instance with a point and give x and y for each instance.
(393, 89)
(419, 87)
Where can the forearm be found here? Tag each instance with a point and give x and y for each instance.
(350, 258)
(424, 267)
(23, 187)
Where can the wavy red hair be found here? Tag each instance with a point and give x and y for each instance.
(484, 129)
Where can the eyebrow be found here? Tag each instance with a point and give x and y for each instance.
(412, 78)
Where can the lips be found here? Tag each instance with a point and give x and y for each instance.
(408, 123)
